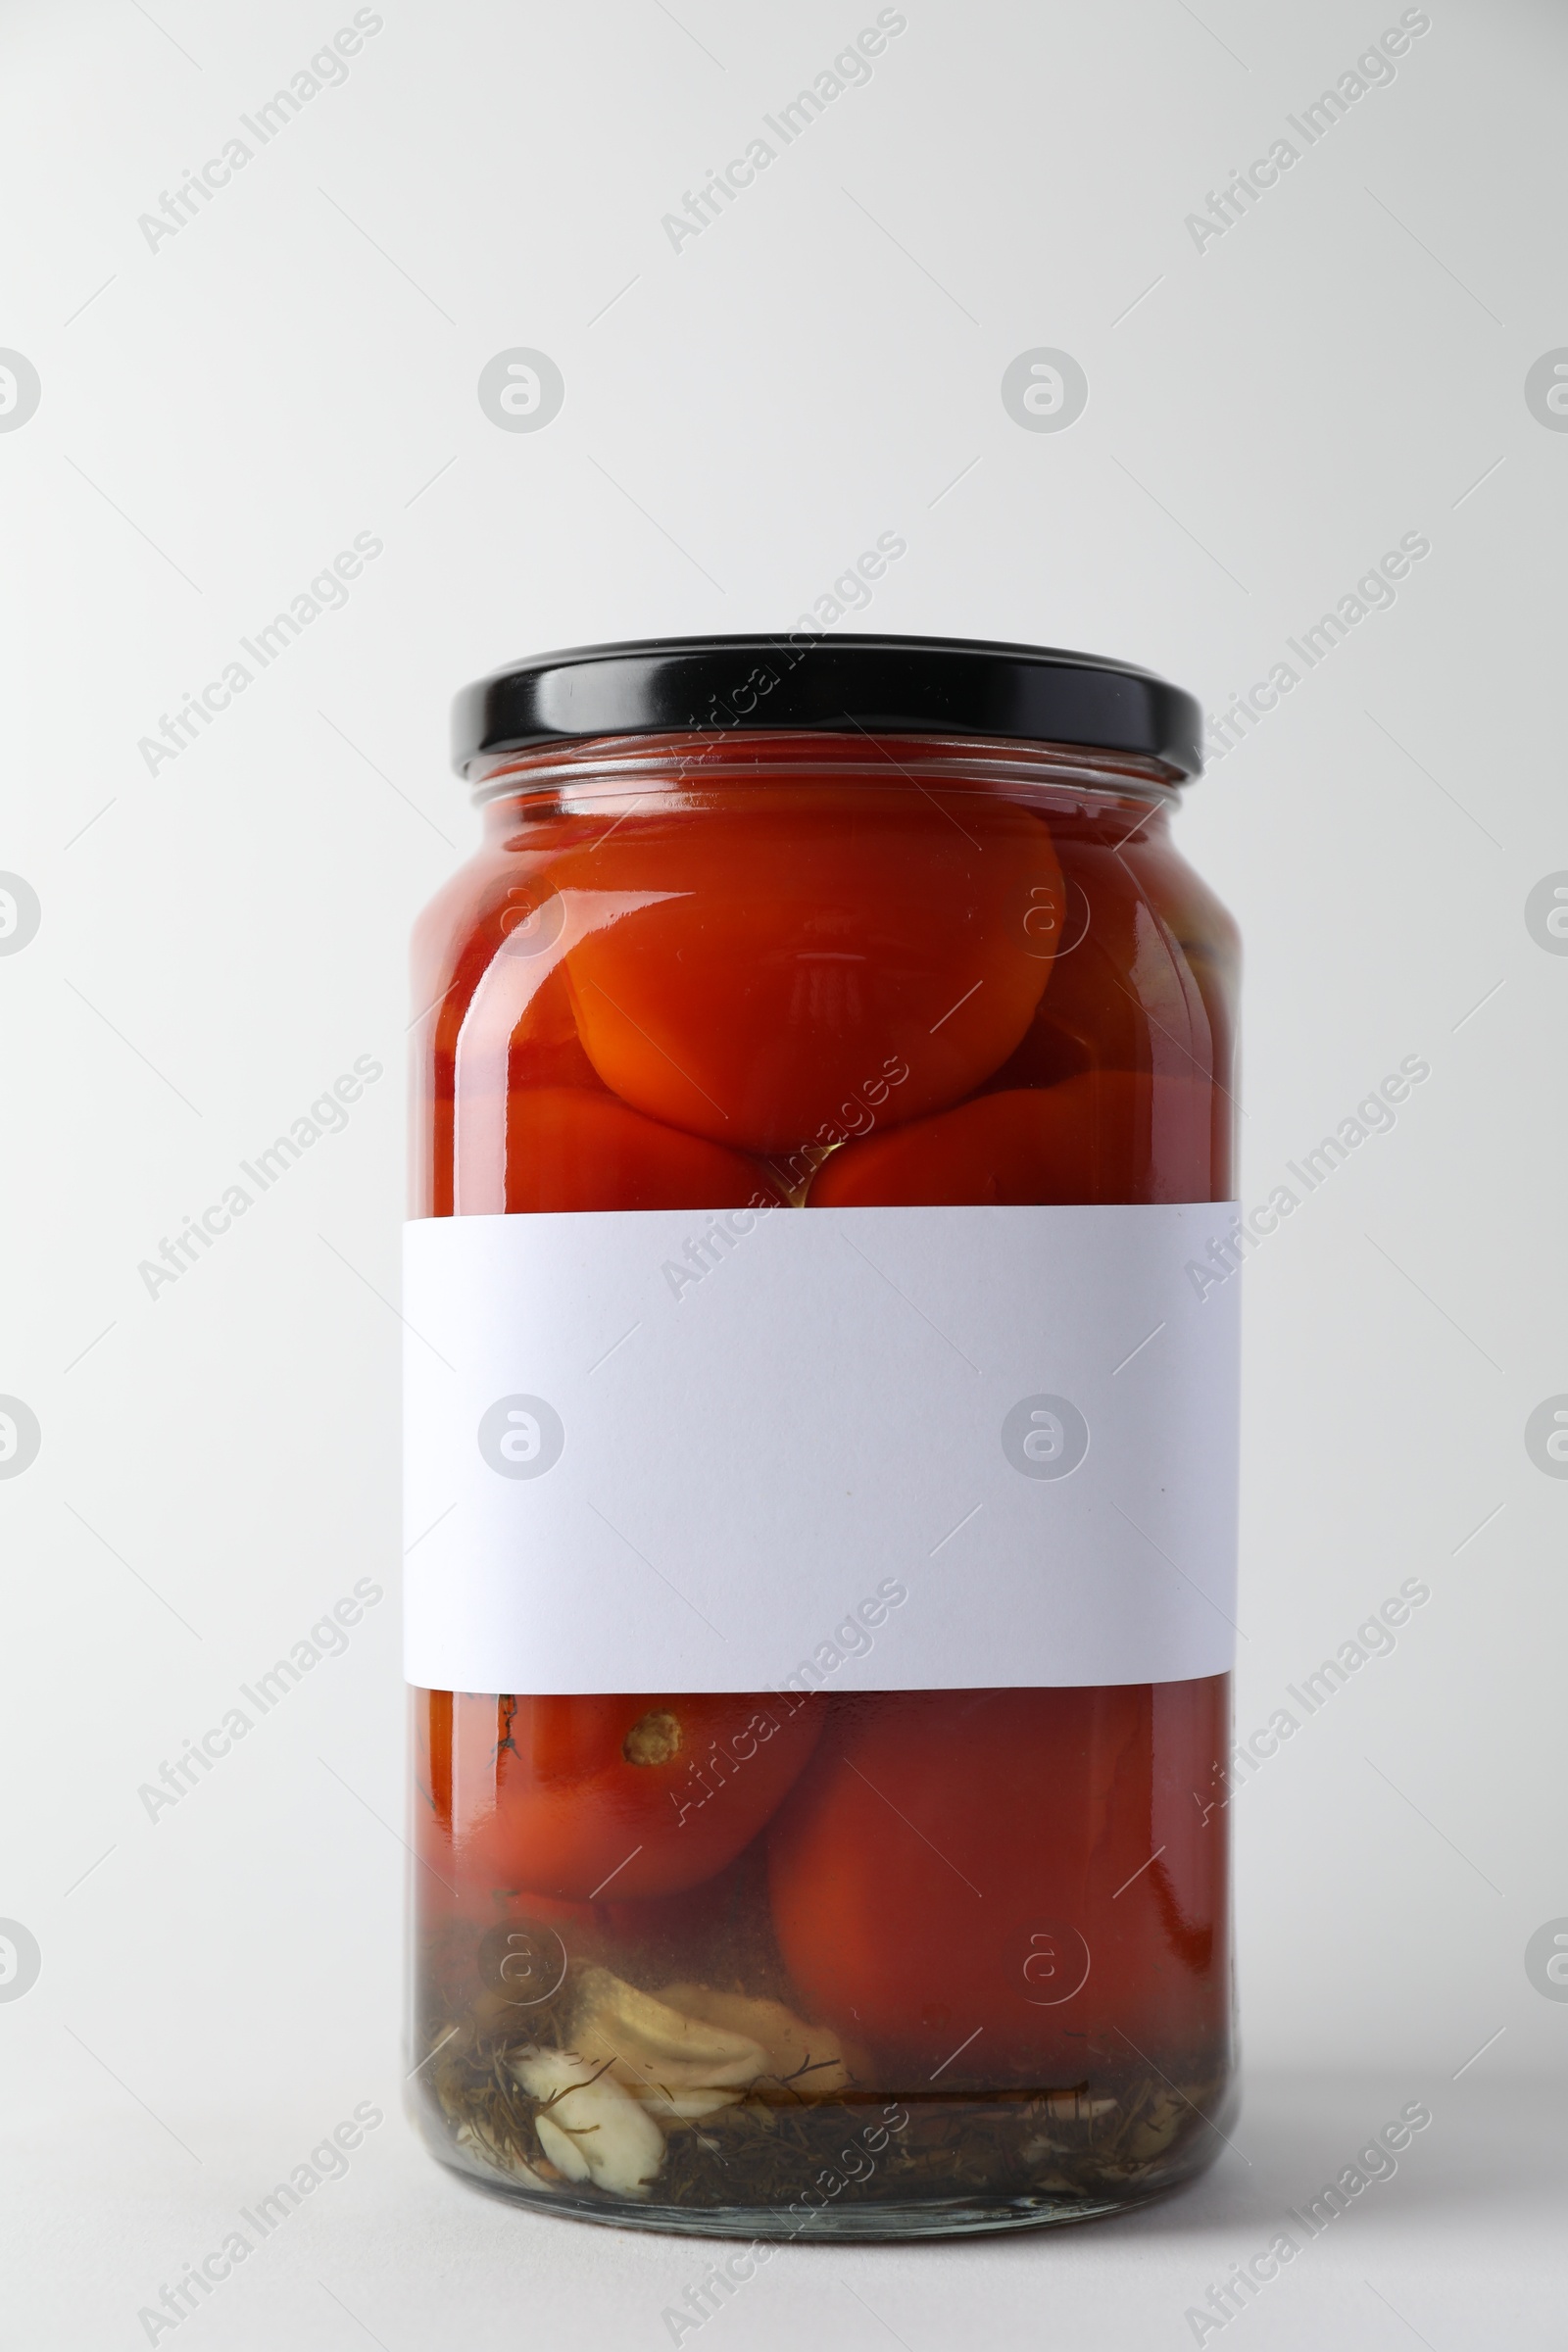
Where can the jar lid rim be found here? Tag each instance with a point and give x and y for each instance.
(892, 685)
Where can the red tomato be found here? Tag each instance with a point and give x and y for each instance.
(1111, 1135)
(515, 1032)
(606, 1800)
(576, 1148)
(963, 1879)
(1129, 975)
(542, 1048)
(812, 942)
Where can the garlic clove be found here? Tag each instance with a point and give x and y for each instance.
(591, 2129)
(1160, 2124)
(690, 2051)
(1075, 2106)
(787, 2043)
(686, 2106)
(658, 2051)
(562, 2150)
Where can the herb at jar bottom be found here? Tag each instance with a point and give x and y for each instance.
(700, 2098)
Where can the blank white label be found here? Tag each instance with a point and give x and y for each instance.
(845, 1448)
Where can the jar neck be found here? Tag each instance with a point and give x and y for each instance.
(679, 768)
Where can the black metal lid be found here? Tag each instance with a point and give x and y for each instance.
(887, 685)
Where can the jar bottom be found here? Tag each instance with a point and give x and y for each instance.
(841, 2218)
(957, 2217)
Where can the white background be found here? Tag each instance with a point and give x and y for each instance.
(219, 941)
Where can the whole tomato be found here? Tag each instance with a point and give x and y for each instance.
(1108, 1134)
(808, 957)
(969, 1881)
(606, 1799)
(577, 1148)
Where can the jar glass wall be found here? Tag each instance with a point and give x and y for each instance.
(805, 1959)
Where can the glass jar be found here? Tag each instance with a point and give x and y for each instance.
(821, 1421)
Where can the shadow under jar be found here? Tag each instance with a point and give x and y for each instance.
(821, 1420)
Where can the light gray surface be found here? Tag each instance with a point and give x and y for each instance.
(220, 938)
(1462, 2246)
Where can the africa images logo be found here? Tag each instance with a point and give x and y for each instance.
(1045, 1436)
(521, 1437)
